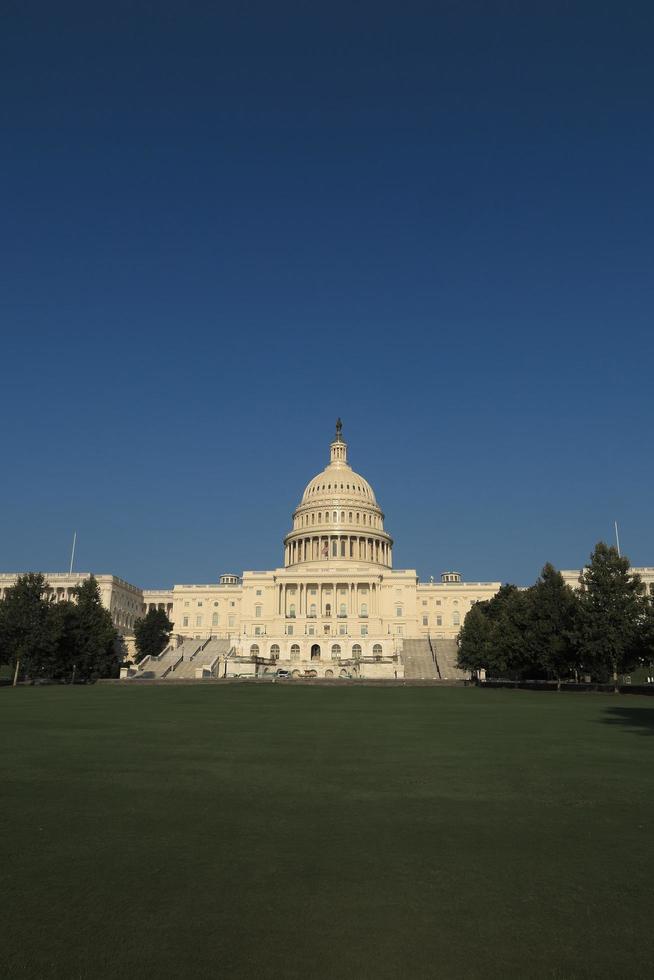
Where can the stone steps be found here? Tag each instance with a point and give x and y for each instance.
(418, 660)
(446, 654)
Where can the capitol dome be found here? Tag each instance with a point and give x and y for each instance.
(338, 517)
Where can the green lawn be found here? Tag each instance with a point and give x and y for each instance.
(321, 832)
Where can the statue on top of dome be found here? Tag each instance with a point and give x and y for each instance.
(339, 429)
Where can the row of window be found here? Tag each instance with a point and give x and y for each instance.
(311, 630)
(315, 651)
(200, 603)
(370, 520)
(342, 486)
(342, 610)
(215, 620)
(456, 619)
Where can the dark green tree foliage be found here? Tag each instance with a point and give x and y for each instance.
(612, 616)
(56, 639)
(475, 647)
(493, 639)
(647, 632)
(605, 629)
(25, 634)
(64, 632)
(551, 624)
(152, 633)
(98, 650)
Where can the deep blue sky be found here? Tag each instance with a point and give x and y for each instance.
(222, 225)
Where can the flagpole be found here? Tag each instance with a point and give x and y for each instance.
(617, 538)
(72, 554)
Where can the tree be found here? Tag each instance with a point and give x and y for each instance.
(25, 634)
(152, 633)
(63, 624)
(551, 624)
(497, 645)
(98, 648)
(612, 615)
(473, 640)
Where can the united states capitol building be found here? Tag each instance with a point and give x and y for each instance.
(337, 607)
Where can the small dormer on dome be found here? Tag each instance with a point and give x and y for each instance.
(451, 578)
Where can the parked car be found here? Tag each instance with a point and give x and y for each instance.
(283, 673)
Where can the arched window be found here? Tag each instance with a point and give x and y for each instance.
(295, 651)
(336, 651)
(254, 650)
(335, 516)
(364, 609)
(257, 612)
(328, 609)
(356, 651)
(377, 650)
(456, 618)
(291, 610)
(274, 651)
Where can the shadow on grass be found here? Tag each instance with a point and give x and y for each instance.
(640, 720)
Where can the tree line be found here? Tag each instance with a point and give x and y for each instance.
(73, 640)
(60, 641)
(603, 629)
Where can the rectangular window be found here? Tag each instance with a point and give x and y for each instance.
(198, 620)
(289, 631)
(258, 591)
(199, 603)
(438, 602)
(439, 620)
(342, 630)
(364, 631)
(185, 621)
(400, 630)
(424, 602)
(230, 620)
(425, 620)
(334, 547)
(398, 611)
(257, 631)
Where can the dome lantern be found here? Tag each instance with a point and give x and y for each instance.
(338, 448)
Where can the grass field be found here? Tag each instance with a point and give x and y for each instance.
(280, 831)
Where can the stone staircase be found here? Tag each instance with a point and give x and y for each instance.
(418, 660)
(159, 666)
(198, 653)
(446, 654)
